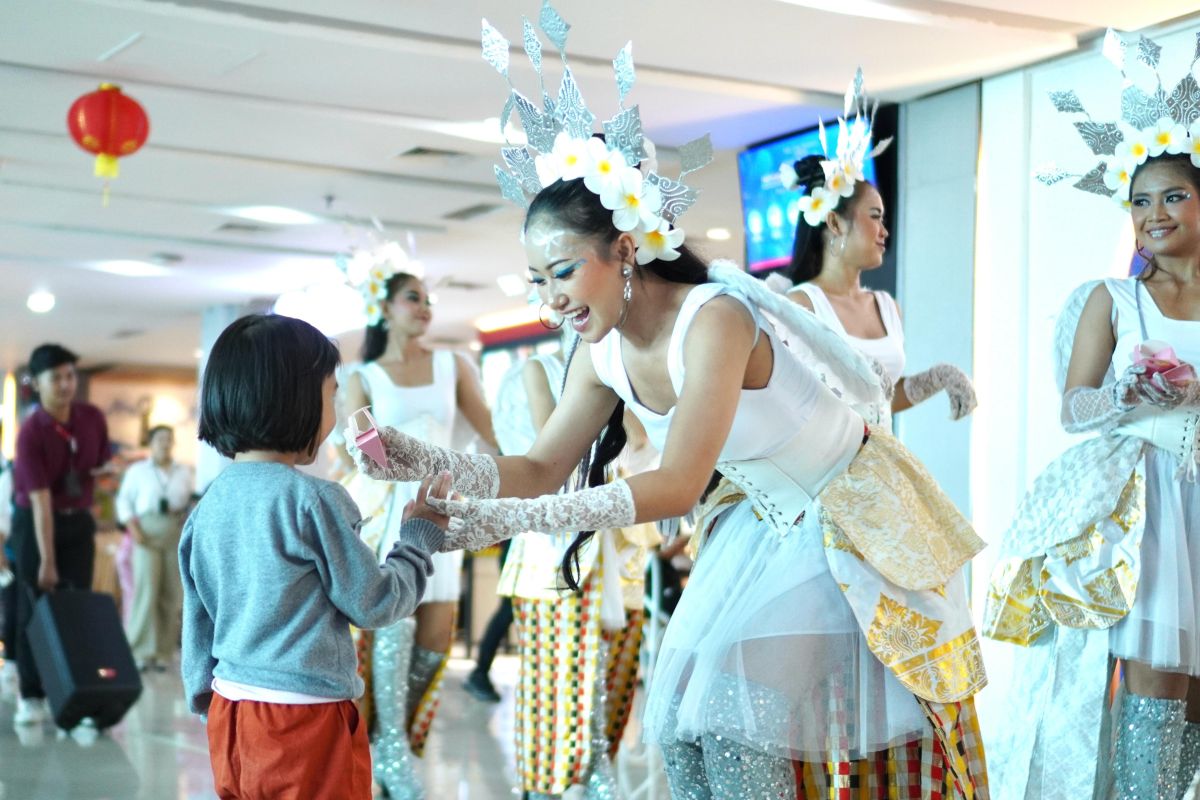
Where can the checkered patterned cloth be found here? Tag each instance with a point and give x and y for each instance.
(559, 648)
(947, 763)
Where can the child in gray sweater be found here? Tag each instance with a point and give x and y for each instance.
(274, 574)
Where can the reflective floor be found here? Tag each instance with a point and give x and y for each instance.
(159, 752)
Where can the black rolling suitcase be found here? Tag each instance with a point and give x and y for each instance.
(83, 657)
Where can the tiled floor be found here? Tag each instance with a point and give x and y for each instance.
(159, 751)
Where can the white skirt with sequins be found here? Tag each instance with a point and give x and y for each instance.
(764, 649)
(1163, 627)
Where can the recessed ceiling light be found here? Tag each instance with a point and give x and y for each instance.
(40, 302)
(131, 268)
(513, 285)
(275, 215)
(719, 234)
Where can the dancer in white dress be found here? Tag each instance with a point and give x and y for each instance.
(1103, 559)
(837, 604)
(828, 259)
(419, 391)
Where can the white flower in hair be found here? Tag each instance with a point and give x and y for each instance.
(1118, 175)
(1134, 150)
(658, 244)
(634, 203)
(838, 177)
(568, 160)
(604, 167)
(817, 205)
(1192, 145)
(374, 313)
(1167, 136)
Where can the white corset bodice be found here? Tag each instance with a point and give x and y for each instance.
(424, 412)
(788, 439)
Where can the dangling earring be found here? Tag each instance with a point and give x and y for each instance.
(542, 309)
(383, 323)
(627, 295)
(842, 252)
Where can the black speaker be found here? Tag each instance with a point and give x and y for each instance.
(83, 657)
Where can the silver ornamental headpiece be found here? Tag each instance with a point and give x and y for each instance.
(1151, 124)
(562, 144)
(844, 167)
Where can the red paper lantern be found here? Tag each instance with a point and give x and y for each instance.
(109, 124)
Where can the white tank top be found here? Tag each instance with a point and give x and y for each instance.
(424, 412)
(888, 350)
(766, 417)
(1137, 319)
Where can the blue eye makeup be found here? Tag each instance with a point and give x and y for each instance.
(559, 274)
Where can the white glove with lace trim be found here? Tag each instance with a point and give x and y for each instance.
(1086, 408)
(410, 459)
(476, 524)
(960, 390)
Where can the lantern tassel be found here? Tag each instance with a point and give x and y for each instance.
(107, 167)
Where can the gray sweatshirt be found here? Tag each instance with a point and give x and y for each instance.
(274, 574)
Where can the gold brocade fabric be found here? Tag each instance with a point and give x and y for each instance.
(724, 496)
(892, 511)
(1088, 581)
(896, 546)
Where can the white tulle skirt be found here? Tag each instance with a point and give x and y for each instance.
(1163, 627)
(764, 649)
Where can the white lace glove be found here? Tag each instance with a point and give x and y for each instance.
(410, 459)
(923, 385)
(1086, 408)
(476, 524)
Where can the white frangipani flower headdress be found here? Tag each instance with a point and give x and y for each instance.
(369, 268)
(844, 168)
(1152, 123)
(645, 204)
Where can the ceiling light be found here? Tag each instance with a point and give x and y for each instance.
(40, 302)
(719, 234)
(509, 318)
(131, 268)
(275, 215)
(513, 285)
(198, 353)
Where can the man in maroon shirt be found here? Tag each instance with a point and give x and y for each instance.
(60, 447)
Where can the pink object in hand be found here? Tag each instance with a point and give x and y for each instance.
(1159, 359)
(368, 441)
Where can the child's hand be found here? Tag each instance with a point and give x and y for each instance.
(436, 486)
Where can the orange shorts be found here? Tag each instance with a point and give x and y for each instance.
(288, 752)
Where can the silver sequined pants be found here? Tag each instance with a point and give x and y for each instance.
(1149, 738)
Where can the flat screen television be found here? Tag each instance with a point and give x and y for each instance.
(769, 210)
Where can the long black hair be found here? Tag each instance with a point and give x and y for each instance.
(808, 249)
(376, 338)
(1182, 162)
(574, 207)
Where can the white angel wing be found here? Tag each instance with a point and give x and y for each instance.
(1064, 331)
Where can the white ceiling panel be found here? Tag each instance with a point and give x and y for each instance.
(310, 104)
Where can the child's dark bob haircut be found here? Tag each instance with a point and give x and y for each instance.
(262, 388)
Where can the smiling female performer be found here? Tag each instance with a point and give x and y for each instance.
(836, 606)
(835, 244)
(418, 391)
(1103, 560)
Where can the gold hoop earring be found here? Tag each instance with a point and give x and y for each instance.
(542, 318)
